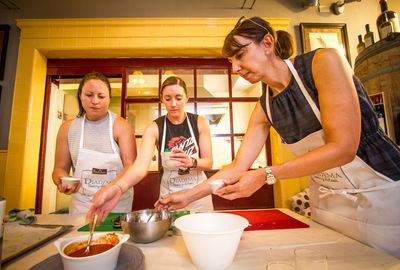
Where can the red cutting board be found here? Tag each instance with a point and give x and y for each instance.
(270, 219)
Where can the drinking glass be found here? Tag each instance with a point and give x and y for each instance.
(310, 259)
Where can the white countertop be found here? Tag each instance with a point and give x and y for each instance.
(255, 248)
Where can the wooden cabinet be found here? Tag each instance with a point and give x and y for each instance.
(378, 67)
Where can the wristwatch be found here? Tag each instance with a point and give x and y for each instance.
(194, 161)
(270, 179)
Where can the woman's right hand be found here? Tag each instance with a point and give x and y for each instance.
(65, 189)
(172, 201)
(104, 201)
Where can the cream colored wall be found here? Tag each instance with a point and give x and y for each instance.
(78, 38)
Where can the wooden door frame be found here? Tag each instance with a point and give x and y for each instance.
(59, 67)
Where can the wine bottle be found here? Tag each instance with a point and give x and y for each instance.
(387, 16)
(361, 44)
(386, 28)
(369, 37)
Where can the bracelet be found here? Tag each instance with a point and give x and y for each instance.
(194, 162)
(120, 188)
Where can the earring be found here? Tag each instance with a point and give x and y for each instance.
(267, 53)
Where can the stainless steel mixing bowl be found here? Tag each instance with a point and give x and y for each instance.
(135, 223)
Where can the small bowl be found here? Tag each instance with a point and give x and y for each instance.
(70, 182)
(169, 163)
(135, 223)
(216, 184)
(106, 260)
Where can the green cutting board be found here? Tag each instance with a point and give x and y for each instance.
(106, 226)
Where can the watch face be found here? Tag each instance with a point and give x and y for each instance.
(271, 180)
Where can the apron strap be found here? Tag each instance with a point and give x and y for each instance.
(82, 132)
(192, 134)
(111, 132)
(163, 136)
(349, 193)
(110, 127)
(302, 88)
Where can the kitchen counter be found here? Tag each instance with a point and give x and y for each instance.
(255, 248)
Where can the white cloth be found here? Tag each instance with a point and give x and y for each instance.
(96, 170)
(353, 199)
(171, 181)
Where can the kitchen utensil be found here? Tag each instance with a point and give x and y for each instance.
(211, 238)
(93, 225)
(104, 261)
(144, 230)
(151, 215)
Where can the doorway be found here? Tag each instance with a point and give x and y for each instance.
(214, 93)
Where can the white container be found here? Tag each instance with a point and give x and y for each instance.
(169, 163)
(212, 238)
(70, 182)
(216, 184)
(104, 261)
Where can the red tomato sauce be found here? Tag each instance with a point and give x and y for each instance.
(94, 249)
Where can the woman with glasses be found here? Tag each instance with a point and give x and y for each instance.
(325, 117)
(97, 144)
(184, 141)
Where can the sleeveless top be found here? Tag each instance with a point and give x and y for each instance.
(293, 119)
(177, 134)
(96, 136)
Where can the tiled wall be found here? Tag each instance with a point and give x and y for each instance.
(86, 38)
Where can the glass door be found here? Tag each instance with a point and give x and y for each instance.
(224, 99)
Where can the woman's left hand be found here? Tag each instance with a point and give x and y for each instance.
(243, 185)
(180, 155)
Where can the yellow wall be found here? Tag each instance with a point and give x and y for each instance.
(284, 189)
(90, 38)
(3, 160)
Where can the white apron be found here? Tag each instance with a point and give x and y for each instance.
(171, 181)
(96, 170)
(353, 199)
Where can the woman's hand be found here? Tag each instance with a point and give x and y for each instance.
(172, 201)
(104, 201)
(65, 189)
(180, 156)
(243, 185)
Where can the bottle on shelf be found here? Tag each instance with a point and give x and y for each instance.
(381, 116)
(386, 29)
(369, 37)
(385, 18)
(360, 45)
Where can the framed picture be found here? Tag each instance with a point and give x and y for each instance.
(4, 31)
(325, 35)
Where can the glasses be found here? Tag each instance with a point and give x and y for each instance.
(243, 19)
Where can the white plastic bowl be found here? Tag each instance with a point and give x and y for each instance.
(216, 184)
(70, 182)
(104, 261)
(169, 163)
(212, 238)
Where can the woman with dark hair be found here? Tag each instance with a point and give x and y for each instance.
(325, 117)
(184, 141)
(97, 144)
